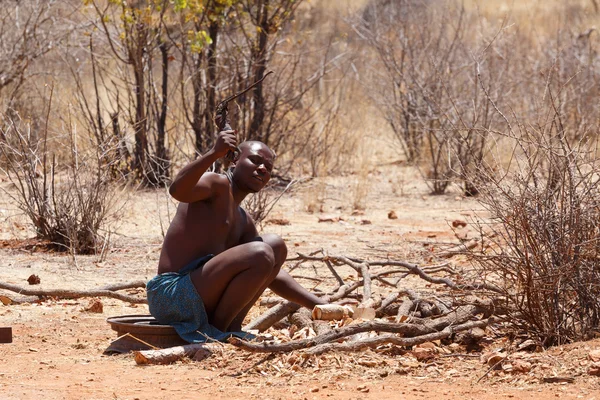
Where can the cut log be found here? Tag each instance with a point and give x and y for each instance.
(330, 312)
(172, 354)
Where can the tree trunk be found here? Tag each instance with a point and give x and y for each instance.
(162, 158)
(211, 76)
(140, 127)
(259, 59)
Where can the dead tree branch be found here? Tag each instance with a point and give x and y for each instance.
(72, 294)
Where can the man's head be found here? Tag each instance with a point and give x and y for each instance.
(253, 165)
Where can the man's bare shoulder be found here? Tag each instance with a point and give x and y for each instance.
(217, 182)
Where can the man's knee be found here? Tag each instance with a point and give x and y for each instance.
(278, 246)
(261, 257)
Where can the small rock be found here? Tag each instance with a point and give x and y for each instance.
(365, 222)
(462, 236)
(454, 347)
(409, 363)
(496, 360)
(472, 336)
(329, 219)
(493, 359)
(594, 369)
(521, 366)
(34, 280)
(392, 215)
(507, 367)
(95, 306)
(457, 223)
(594, 355)
(558, 379)
(528, 345)
(363, 388)
(278, 221)
(427, 345)
(422, 354)
(314, 390)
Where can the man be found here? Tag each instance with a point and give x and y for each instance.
(214, 265)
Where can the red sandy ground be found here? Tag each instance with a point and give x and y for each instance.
(57, 348)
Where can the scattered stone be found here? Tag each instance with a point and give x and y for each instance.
(330, 219)
(363, 388)
(521, 366)
(365, 222)
(409, 363)
(392, 215)
(594, 369)
(462, 236)
(314, 390)
(457, 223)
(422, 354)
(594, 355)
(493, 359)
(368, 363)
(528, 345)
(95, 306)
(34, 279)
(278, 221)
(558, 379)
(470, 337)
(454, 347)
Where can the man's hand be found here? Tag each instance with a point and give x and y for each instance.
(226, 142)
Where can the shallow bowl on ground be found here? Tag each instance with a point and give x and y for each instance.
(141, 332)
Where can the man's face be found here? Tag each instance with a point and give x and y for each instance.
(253, 167)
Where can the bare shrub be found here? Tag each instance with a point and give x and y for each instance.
(545, 213)
(426, 83)
(67, 199)
(260, 205)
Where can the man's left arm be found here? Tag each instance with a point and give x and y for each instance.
(287, 287)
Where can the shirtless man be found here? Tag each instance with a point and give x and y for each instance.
(214, 265)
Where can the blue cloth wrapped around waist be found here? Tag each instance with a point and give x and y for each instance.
(173, 300)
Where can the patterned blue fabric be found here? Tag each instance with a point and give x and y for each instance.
(173, 300)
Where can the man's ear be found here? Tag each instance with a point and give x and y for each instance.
(236, 156)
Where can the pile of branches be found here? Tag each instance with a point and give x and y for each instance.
(404, 317)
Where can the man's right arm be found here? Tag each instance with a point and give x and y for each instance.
(189, 185)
